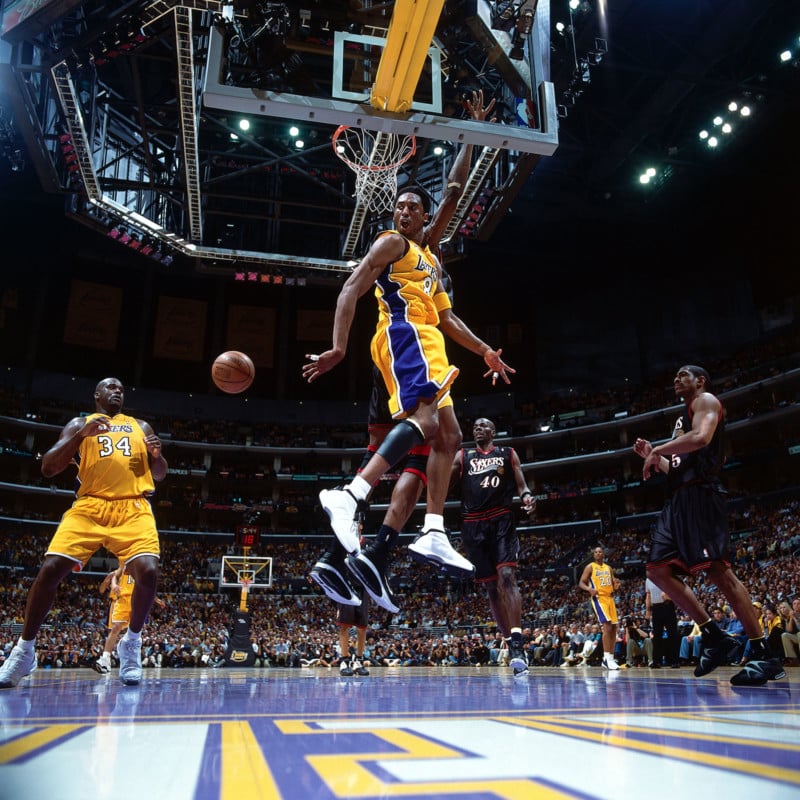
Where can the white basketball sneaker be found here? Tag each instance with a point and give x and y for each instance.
(434, 547)
(609, 662)
(343, 511)
(18, 665)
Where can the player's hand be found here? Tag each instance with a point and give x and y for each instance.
(497, 367)
(476, 108)
(642, 448)
(651, 465)
(99, 424)
(529, 505)
(153, 444)
(320, 364)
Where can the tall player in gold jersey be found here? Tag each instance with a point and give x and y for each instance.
(119, 458)
(408, 349)
(599, 580)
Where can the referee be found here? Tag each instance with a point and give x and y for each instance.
(660, 611)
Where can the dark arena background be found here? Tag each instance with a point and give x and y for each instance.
(169, 191)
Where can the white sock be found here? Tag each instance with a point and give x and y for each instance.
(26, 645)
(433, 522)
(133, 637)
(359, 488)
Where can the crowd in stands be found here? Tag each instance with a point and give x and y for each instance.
(441, 622)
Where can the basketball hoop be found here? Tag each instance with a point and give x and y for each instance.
(375, 158)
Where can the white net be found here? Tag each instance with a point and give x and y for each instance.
(374, 157)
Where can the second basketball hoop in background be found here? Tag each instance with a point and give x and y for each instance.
(233, 371)
(375, 158)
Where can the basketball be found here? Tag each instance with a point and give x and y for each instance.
(232, 371)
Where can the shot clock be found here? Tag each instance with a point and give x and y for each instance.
(247, 535)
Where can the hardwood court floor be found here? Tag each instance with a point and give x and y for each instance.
(264, 734)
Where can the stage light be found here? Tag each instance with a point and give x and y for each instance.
(114, 233)
(294, 131)
(167, 260)
(124, 237)
(252, 277)
(244, 124)
(265, 278)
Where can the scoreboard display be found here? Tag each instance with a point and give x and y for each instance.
(248, 535)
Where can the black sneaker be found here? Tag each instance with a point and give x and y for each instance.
(757, 673)
(715, 653)
(332, 576)
(369, 566)
(359, 668)
(517, 660)
(345, 670)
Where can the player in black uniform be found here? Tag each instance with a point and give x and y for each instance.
(691, 534)
(489, 474)
(336, 574)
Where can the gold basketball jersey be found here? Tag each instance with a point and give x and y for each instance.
(113, 464)
(601, 579)
(405, 290)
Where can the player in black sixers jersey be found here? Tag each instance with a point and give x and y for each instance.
(692, 535)
(490, 475)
